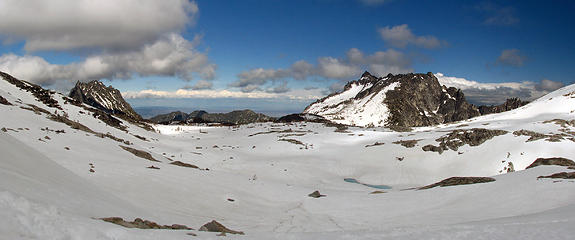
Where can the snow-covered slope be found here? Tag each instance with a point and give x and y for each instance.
(57, 179)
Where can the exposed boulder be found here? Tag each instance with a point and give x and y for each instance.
(316, 194)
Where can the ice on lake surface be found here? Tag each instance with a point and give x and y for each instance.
(353, 180)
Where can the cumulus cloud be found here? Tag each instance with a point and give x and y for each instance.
(282, 88)
(107, 24)
(171, 55)
(511, 57)
(400, 36)
(497, 93)
(497, 15)
(202, 84)
(345, 68)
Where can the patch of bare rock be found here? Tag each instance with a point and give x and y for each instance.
(143, 224)
(407, 143)
(558, 161)
(215, 226)
(454, 181)
(563, 175)
(183, 164)
(139, 153)
(460, 137)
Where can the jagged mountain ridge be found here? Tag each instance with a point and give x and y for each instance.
(108, 99)
(231, 118)
(403, 100)
(509, 104)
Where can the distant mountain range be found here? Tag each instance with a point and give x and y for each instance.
(394, 101)
(231, 118)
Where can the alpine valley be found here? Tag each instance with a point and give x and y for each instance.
(391, 157)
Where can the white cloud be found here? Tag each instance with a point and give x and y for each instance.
(342, 69)
(497, 93)
(101, 24)
(400, 36)
(299, 94)
(511, 57)
(171, 55)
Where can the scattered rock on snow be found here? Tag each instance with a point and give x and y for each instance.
(316, 194)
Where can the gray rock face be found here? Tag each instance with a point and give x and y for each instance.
(421, 101)
(107, 99)
(231, 118)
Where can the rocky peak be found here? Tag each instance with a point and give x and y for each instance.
(402, 100)
(108, 99)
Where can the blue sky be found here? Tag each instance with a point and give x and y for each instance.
(200, 54)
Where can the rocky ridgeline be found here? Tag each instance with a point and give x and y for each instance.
(231, 118)
(108, 99)
(509, 104)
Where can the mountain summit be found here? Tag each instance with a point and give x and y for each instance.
(108, 99)
(403, 100)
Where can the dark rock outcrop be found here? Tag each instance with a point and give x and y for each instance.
(231, 118)
(563, 175)
(559, 161)
(509, 104)
(215, 226)
(316, 194)
(143, 224)
(4, 101)
(453, 181)
(301, 117)
(460, 137)
(108, 99)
